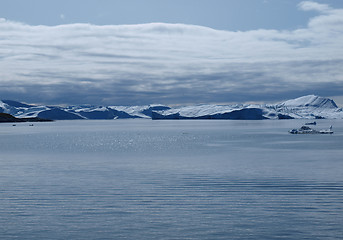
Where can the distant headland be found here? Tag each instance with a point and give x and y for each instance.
(5, 117)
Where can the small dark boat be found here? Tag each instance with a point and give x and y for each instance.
(311, 123)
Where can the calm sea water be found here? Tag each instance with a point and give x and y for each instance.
(143, 179)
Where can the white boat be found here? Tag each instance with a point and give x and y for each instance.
(308, 130)
(326, 131)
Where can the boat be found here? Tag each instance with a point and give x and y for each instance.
(303, 130)
(326, 131)
(308, 130)
(311, 123)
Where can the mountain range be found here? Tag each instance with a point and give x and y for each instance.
(306, 107)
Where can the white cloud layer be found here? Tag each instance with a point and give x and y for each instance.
(170, 63)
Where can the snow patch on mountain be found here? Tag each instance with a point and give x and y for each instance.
(200, 110)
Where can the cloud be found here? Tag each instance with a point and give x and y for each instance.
(169, 63)
(314, 6)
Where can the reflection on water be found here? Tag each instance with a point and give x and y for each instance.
(170, 180)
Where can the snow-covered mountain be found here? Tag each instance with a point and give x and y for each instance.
(308, 107)
(21, 110)
(309, 101)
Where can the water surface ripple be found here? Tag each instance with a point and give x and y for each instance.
(170, 180)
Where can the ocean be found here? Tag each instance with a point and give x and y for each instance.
(170, 179)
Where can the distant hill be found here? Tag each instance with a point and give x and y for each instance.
(305, 107)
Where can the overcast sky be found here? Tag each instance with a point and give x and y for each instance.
(137, 52)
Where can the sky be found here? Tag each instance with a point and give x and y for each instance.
(173, 52)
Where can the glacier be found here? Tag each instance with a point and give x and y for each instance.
(305, 107)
